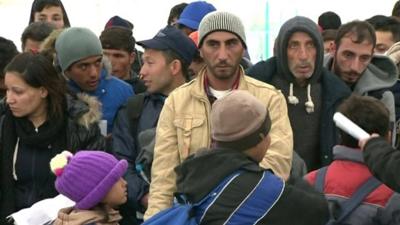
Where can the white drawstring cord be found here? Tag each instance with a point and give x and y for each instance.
(292, 99)
(309, 104)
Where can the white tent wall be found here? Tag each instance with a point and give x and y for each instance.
(262, 18)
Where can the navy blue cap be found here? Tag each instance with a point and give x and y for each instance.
(173, 39)
(118, 21)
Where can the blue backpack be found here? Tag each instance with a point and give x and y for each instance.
(185, 213)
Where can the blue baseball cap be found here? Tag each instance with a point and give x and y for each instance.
(194, 13)
(173, 39)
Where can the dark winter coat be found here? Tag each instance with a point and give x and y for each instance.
(383, 161)
(78, 131)
(125, 144)
(200, 173)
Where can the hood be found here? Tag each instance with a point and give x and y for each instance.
(394, 54)
(203, 171)
(71, 216)
(84, 108)
(380, 73)
(293, 25)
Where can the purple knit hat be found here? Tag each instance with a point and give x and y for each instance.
(89, 176)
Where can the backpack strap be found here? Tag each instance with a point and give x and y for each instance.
(320, 179)
(251, 204)
(134, 107)
(357, 198)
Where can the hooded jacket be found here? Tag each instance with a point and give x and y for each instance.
(299, 200)
(80, 131)
(111, 92)
(314, 133)
(379, 76)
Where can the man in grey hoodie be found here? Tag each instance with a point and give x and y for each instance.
(313, 93)
(354, 62)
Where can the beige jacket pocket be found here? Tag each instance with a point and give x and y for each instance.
(189, 134)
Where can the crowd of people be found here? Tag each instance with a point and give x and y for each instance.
(126, 134)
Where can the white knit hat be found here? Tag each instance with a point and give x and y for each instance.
(221, 21)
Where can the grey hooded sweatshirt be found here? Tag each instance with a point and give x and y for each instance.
(378, 77)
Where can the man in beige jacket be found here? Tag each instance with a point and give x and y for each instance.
(184, 125)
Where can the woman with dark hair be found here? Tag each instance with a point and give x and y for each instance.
(40, 120)
(51, 11)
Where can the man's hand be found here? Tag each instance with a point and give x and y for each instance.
(362, 142)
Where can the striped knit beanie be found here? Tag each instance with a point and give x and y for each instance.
(221, 21)
(87, 176)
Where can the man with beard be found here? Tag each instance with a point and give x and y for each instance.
(353, 61)
(313, 93)
(184, 125)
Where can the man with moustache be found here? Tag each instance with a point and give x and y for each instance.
(184, 124)
(313, 93)
(354, 62)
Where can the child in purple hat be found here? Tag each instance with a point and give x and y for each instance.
(93, 180)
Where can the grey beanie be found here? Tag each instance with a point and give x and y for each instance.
(76, 43)
(221, 21)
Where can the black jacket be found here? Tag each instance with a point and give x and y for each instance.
(125, 144)
(200, 173)
(80, 132)
(383, 161)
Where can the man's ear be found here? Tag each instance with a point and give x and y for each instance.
(389, 136)
(66, 73)
(332, 49)
(175, 66)
(268, 141)
(132, 57)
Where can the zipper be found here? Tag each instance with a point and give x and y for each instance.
(32, 193)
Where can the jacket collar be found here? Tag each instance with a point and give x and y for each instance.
(332, 88)
(100, 90)
(341, 152)
(198, 83)
(190, 174)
